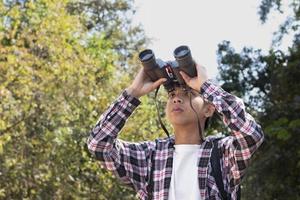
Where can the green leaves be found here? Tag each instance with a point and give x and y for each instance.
(56, 78)
(269, 84)
(278, 129)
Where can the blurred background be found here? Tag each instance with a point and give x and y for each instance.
(63, 62)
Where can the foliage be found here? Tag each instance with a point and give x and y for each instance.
(110, 19)
(56, 77)
(290, 25)
(269, 85)
(63, 62)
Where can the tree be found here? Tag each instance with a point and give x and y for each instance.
(290, 25)
(269, 85)
(56, 77)
(111, 19)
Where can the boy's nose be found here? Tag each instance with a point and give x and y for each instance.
(177, 100)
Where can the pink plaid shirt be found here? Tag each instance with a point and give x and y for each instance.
(147, 166)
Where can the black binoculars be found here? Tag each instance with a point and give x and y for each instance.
(157, 68)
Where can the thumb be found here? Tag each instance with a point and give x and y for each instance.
(185, 77)
(158, 82)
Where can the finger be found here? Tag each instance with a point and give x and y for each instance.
(140, 74)
(159, 82)
(200, 69)
(185, 77)
(141, 71)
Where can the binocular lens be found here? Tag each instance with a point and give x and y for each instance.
(181, 51)
(146, 55)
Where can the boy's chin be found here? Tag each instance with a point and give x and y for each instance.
(179, 122)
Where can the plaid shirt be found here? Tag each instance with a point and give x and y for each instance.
(147, 166)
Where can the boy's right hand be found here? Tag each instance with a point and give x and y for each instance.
(143, 85)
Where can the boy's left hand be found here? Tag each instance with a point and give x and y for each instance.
(195, 82)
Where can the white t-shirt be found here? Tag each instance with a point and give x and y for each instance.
(184, 180)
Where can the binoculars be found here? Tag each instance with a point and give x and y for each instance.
(157, 68)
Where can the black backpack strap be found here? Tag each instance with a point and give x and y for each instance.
(216, 169)
(238, 193)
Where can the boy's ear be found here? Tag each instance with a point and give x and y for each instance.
(209, 110)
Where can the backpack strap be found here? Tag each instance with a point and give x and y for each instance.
(216, 169)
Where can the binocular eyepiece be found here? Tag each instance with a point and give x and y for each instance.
(157, 68)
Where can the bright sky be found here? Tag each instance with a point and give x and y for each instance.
(202, 25)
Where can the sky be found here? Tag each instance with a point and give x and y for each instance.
(202, 25)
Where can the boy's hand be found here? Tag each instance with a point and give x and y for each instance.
(195, 82)
(143, 85)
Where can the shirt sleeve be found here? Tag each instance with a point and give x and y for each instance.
(128, 161)
(246, 135)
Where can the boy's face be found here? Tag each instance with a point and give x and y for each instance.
(179, 110)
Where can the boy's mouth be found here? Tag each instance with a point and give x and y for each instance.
(177, 109)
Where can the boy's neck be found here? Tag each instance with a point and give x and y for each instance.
(188, 134)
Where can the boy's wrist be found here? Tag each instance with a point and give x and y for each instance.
(133, 92)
